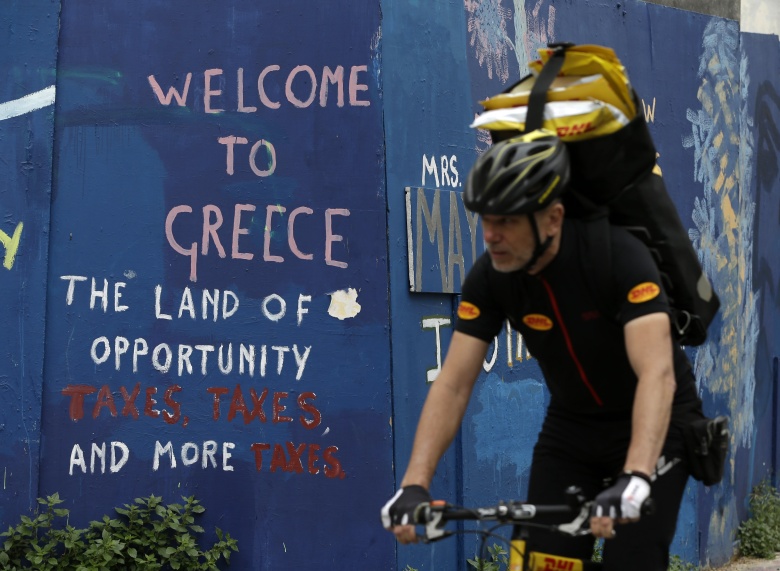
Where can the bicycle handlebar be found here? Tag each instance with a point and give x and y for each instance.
(436, 514)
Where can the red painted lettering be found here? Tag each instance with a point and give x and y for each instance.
(316, 419)
(104, 398)
(257, 405)
(217, 392)
(295, 465)
(299, 459)
(258, 448)
(130, 409)
(279, 408)
(76, 394)
(313, 459)
(168, 398)
(237, 405)
(278, 460)
(332, 465)
(150, 402)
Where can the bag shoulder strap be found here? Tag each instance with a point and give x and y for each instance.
(537, 99)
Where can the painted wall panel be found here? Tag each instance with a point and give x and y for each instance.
(218, 318)
(427, 111)
(28, 60)
(689, 72)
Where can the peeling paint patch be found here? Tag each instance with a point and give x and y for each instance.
(343, 304)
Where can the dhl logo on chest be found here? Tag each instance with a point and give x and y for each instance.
(644, 292)
(538, 322)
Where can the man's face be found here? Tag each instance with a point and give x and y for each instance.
(510, 241)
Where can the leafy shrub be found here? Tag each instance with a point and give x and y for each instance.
(499, 559)
(759, 536)
(598, 551)
(147, 535)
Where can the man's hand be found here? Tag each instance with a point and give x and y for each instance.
(622, 502)
(398, 513)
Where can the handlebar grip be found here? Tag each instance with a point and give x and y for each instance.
(422, 513)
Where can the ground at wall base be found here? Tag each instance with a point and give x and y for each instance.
(750, 564)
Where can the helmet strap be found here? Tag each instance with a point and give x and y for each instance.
(540, 247)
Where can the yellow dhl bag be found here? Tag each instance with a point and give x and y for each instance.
(588, 96)
(570, 120)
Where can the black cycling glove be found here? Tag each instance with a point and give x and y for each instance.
(401, 507)
(624, 499)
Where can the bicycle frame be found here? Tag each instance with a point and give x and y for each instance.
(538, 561)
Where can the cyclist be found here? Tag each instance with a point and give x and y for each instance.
(620, 388)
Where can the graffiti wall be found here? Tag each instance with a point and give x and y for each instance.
(217, 316)
(28, 61)
(233, 239)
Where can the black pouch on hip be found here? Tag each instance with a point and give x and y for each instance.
(706, 444)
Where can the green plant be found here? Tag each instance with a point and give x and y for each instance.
(598, 551)
(499, 559)
(147, 535)
(759, 536)
(677, 564)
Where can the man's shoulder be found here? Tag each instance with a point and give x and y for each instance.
(627, 245)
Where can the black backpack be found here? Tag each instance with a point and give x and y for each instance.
(614, 183)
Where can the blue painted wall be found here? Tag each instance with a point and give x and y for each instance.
(217, 321)
(280, 167)
(28, 60)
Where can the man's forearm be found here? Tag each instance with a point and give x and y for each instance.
(650, 421)
(441, 416)
(444, 407)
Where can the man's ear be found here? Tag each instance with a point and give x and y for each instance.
(556, 213)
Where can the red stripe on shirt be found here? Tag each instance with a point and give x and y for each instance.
(566, 338)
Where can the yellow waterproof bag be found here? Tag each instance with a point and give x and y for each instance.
(586, 91)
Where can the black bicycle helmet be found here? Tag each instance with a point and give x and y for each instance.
(519, 175)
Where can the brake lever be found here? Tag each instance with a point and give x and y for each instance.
(432, 520)
(580, 525)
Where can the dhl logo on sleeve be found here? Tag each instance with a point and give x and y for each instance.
(467, 310)
(538, 321)
(644, 292)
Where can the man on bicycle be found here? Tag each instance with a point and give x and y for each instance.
(620, 388)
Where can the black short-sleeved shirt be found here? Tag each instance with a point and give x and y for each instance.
(581, 351)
